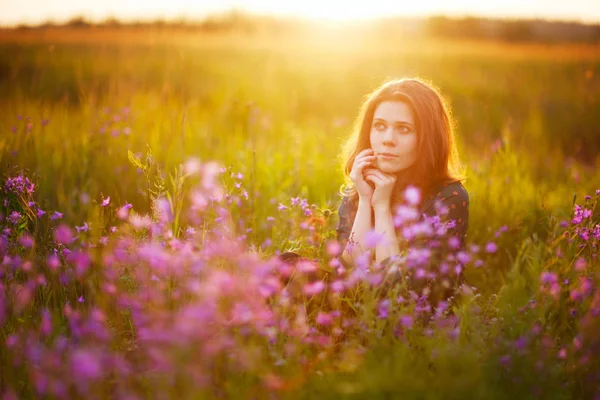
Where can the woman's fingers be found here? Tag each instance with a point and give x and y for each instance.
(365, 154)
(375, 179)
(359, 167)
(365, 151)
(362, 165)
(367, 159)
(382, 176)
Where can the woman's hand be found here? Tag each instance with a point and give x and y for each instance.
(384, 186)
(363, 159)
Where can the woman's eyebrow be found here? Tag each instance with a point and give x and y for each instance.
(395, 122)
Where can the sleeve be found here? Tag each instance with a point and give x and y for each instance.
(346, 214)
(452, 206)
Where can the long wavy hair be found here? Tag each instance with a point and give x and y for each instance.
(437, 157)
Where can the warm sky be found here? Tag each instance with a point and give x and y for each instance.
(13, 12)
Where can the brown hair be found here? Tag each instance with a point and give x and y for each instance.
(437, 157)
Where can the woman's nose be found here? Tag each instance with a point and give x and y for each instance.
(388, 138)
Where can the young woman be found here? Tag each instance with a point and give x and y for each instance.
(403, 137)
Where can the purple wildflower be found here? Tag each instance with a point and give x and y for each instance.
(412, 195)
(324, 319)
(491, 247)
(123, 212)
(26, 241)
(82, 228)
(562, 354)
(383, 311)
(548, 278)
(334, 248)
(372, 239)
(578, 215)
(63, 234)
(337, 286)
(56, 215)
(105, 201)
(521, 342)
(314, 288)
(463, 257)
(407, 321)
(580, 264)
(86, 365)
(504, 361)
(19, 185)
(14, 217)
(46, 323)
(454, 242)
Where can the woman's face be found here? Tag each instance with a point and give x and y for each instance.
(393, 136)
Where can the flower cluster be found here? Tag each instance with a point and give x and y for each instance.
(19, 185)
(130, 310)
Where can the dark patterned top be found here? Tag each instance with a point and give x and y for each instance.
(451, 194)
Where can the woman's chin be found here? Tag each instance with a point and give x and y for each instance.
(392, 167)
(389, 169)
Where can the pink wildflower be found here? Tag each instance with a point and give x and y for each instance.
(412, 195)
(314, 288)
(105, 201)
(324, 319)
(491, 247)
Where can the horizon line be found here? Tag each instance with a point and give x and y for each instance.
(283, 16)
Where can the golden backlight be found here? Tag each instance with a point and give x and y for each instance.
(36, 11)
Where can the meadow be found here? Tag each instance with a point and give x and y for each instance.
(149, 179)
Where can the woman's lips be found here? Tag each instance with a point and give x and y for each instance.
(387, 156)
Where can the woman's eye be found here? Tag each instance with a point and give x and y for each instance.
(379, 126)
(403, 129)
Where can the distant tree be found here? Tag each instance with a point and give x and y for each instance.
(111, 22)
(48, 24)
(441, 26)
(77, 22)
(519, 30)
(23, 27)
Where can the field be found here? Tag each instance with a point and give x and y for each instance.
(148, 177)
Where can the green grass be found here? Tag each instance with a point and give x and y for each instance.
(278, 112)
